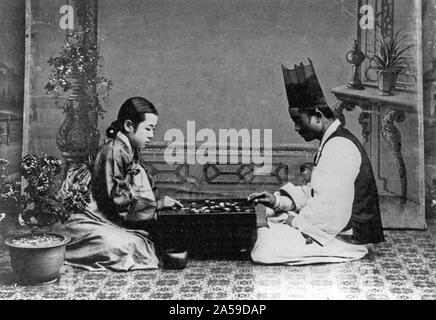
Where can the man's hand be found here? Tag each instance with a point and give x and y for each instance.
(168, 202)
(265, 198)
(289, 220)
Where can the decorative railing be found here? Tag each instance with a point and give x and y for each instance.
(236, 179)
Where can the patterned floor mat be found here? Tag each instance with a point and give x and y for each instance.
(403, 267)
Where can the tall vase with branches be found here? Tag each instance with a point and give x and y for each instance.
(74, 71)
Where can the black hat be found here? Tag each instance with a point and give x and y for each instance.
(302, 87)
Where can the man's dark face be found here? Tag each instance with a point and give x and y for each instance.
(303, 124)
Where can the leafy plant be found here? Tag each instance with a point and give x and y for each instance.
(9, 191)
(76, 198)
(10, 194)
(76, 59)
(390, 55)
(41, 205)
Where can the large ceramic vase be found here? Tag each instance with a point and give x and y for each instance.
(37, 265)
(387, 81)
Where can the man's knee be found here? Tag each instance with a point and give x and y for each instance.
(255, 257)
(261, 255)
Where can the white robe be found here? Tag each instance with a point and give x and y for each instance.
(324, 209)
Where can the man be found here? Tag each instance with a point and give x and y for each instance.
(305, 223)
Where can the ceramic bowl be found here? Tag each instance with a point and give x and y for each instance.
(175, 259)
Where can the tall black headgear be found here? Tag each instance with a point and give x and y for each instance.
(302, 87)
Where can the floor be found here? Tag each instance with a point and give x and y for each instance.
(403, 267)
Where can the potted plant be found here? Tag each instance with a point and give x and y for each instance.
(390, 61)
(37, 256)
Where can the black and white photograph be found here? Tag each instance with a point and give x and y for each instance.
(217, 150)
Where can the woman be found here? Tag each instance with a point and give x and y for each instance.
(122, 193)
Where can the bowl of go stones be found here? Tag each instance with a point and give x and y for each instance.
(216, 207)
(175, 259)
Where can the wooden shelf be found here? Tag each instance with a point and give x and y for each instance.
(401, 100)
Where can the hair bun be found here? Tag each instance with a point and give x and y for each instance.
(113, 129)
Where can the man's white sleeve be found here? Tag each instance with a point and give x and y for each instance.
(299, 194)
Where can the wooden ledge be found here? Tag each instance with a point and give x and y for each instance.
(401, 100)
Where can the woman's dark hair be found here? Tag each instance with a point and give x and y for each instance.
(133, 109)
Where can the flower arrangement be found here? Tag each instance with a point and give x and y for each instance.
(41, 205)
(76, 60)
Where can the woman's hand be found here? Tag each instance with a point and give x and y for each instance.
(265, 198)
(168, 202)
(141, 209)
